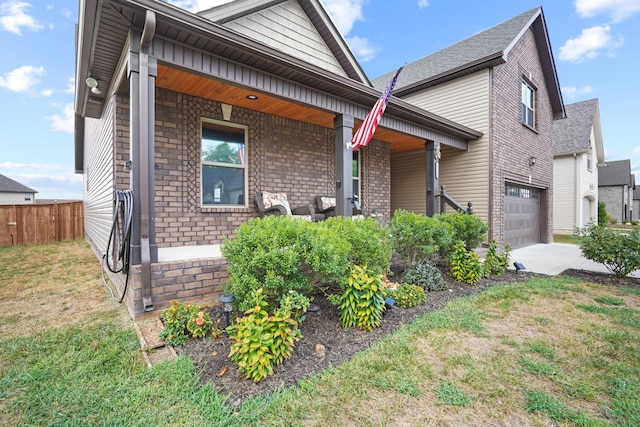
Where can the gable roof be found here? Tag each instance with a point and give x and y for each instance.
(615, 173)
(482, 50)
(318, 17)
(572, 134)
(7, 185)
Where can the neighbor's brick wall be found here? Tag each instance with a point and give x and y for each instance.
(612, 197)
(514, 143)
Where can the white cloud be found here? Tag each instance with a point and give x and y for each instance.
(21, 79)
(617, 10)
(344, 13)
(572, 92)
(423, 3)
(71, 85)
(13, 17)
(197, 5)
(30, 166)
(362, 48)
(63, 122)
(589, 44)
(46, 92)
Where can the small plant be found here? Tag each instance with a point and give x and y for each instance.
(450, 394)
(424, 274)
(465, 265)
(182, 321)
(619, 252)
(494, 262)
(362, 302)
(200, 324)
(407, 295)
(261, 340)
(602, 214)
(296, 303)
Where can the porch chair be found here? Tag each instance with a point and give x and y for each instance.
(326, 207)
(277, 204)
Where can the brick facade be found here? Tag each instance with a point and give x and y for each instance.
(513, 143)
(283, 155)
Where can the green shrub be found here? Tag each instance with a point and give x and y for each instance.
(468, 228)
(182, 321)
(417, 237)
(407, 295)
(602, 214)
(279, 254)
(362, 302)
(619, 252)
(424, 274)
(494, 262)
(260, 340)
(367, 243)
(465, 265)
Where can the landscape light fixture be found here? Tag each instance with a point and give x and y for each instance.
(519, 266)
(93, 84)
(227, 306)
(532, 160)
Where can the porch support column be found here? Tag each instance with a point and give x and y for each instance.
(343, 126)
(142, 73)
(432, 149)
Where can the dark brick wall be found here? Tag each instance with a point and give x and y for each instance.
(514, 143)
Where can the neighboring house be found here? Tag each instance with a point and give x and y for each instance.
(636, 203)
(14, 193)
(616, 185)
(577, 151)
(196, 114)
(503, 83)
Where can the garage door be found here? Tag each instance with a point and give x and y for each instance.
(522, 221)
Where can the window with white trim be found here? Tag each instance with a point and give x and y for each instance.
(528, 104)
(223, 164)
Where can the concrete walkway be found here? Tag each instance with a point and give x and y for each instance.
(554, 258)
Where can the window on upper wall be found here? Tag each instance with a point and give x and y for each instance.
(224, 164)
(355, 168)
(528, 105)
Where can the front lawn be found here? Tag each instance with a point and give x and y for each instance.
(551, 351)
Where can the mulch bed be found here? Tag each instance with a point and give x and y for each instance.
(325, 343)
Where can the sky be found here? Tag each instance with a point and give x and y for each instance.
(595, 43)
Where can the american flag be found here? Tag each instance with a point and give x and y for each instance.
(364, 134)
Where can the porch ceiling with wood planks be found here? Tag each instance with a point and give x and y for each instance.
(209, 88)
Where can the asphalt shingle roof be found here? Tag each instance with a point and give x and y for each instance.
(491, 42)
(617, 172)
(573, 134)
(7, 185)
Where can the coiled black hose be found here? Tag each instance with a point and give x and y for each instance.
(119, 242)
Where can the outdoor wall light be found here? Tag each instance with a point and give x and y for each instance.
(227, 305)
(93, 84)
(519, 266)
(532, 160)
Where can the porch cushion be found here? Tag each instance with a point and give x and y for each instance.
(273, 199)
(327, 203)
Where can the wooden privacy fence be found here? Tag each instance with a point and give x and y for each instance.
(40, 223)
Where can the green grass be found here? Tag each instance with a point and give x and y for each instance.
(549, 351)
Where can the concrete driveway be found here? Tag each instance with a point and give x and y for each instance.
(554, 258)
